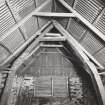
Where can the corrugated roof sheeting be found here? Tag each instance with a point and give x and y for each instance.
(91, 43)
(94, 12)
(21, 8)
(100, 22)
(6, 19)
(89, 9)
(76, 29)
(11, 12)
(100, 56)
(30, 27)
(13, 41)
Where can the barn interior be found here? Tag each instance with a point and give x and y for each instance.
(52, 52)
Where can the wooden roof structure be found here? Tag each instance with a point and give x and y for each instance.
(80, 23)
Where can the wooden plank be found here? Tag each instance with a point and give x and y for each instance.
(5, 72)
(53, 34)
(49, 14)
(6, 69)
(90, 67)
(51, 46)
(81, 18)
(102, 73)
(53, 39)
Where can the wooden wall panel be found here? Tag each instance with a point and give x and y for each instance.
(100, 56)
(21, 8)
(92, 43)
(30, 27)
(13, 41)
(61, 9)
(4, 54)
(6, 19)
(43, 20)
(60, 86)
(43, 86)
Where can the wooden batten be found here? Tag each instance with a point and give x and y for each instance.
(51, 45)
(49, 14)
(53, 35)
(53, 39)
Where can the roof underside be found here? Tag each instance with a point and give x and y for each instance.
(84, 20)
(80, 22)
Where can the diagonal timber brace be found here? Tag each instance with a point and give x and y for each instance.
(90, 67)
